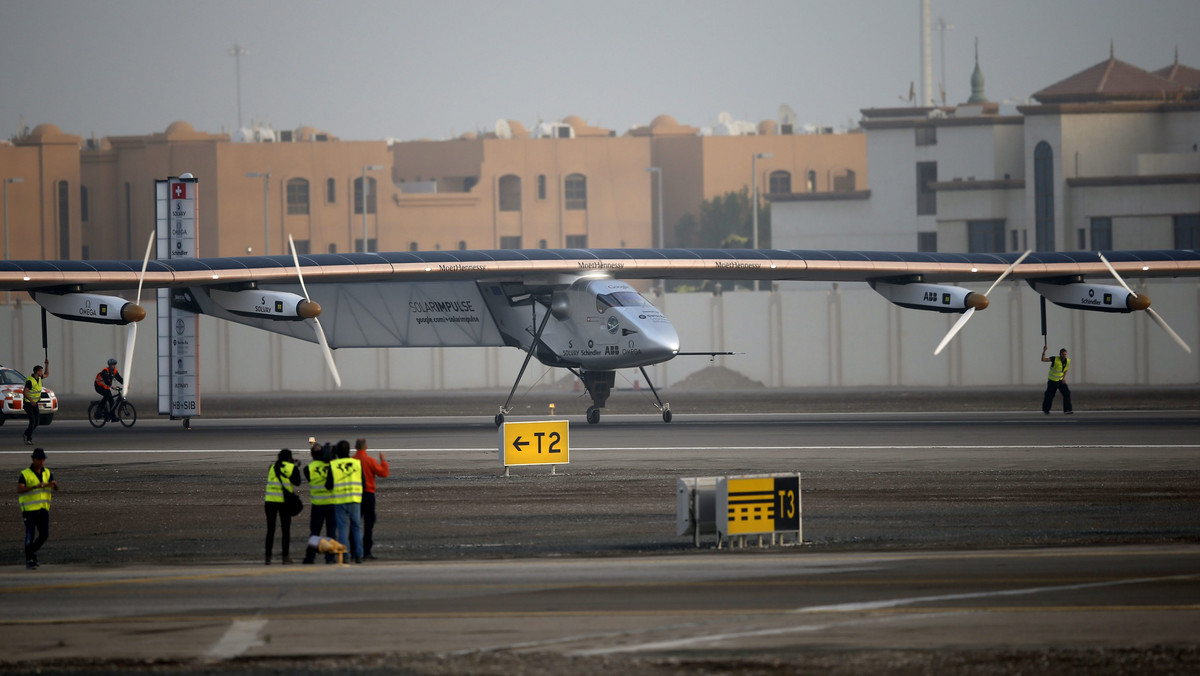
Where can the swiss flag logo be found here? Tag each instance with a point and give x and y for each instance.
(179, 191)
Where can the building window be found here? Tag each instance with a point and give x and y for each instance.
(576, 241)
(845, 182)
(64, 220)
(412, 246)
(927, 242)
(1043, 195)
(83, 203)
(330, 191)
(985, 236)
(297, 196)
(510, 192)
(811, 183)
(575, 191)
(370, 245)
(780, 182)
(926, 135)
(926, 196)
(302, 246)
(358, 195)
(1187, 231)
(462, 245)
(1101, 234)
(542, 244)
(541, 186)
(332, 248)
(510, 242)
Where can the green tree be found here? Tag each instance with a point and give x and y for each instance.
(725, 222)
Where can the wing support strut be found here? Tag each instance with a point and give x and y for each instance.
(537, 338)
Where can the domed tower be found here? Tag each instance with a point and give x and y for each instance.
(977, 95)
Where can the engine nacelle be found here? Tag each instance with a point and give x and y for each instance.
(933, 297)
(1094, 297)
(90, 307)
(266, 304)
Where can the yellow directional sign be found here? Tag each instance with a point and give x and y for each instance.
(534, 443)
(760, 504)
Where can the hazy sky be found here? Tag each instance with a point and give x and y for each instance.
(398, 69)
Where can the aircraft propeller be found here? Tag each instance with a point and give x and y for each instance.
(135, 315)
(1145, 304)
(979, 303)
(315, 310)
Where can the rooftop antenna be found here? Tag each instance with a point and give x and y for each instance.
(941, 27)
(237, 52)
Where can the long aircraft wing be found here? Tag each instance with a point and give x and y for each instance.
(549, 264)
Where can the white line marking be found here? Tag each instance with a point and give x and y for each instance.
(241, 636)
(709, 639)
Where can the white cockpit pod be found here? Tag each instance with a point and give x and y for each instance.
(266, 304)
(90, 307)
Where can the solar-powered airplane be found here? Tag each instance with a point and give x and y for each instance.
(568, 308)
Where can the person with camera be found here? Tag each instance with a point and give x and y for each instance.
(282, 477)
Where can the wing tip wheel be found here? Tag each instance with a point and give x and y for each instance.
(593, 415)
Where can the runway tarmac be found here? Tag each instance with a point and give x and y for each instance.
(934, 541)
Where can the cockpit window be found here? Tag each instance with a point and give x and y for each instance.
(619, 299)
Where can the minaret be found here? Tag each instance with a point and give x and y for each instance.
(977, 95)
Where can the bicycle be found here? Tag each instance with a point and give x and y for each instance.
(121, 409)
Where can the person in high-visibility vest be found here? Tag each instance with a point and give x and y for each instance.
(104, 384)
(30, 396)
(347, 500)
(282, 477)
(33, 493)
(320, 494)
(1056, 380)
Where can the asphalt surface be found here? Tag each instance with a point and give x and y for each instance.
(940, 536)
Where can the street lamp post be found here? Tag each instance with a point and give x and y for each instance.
(266, 177)
(754, 170)
(15, 179)
(365, 189)
(661, 242)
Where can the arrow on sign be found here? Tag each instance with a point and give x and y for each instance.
(517, 443)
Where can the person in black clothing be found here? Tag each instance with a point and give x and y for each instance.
(320, 494)
(282, 471)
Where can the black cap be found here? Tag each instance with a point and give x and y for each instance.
(39, 454)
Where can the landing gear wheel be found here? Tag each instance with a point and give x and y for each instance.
(499, 419)
(667, 415)
(593, 415)
(96, 415)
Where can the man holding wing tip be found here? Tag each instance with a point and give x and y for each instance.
(1056, 380)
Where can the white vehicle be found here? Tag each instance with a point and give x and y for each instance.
(12, 384)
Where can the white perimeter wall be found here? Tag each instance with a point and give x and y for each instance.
(806, 335)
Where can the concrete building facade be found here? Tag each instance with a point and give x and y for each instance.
(1106, 159)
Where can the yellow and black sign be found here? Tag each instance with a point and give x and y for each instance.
(534, 443)
(758, 505)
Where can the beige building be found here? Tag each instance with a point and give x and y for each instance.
(563, 184)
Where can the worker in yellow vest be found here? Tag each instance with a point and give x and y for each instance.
(347, 500)
(282, 478)
(33, 493)
(1056, 380)
(320, 494)
(30, 396)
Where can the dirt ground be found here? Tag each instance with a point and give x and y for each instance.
(414, 525)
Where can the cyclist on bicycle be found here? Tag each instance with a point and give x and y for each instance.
(104, 381)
